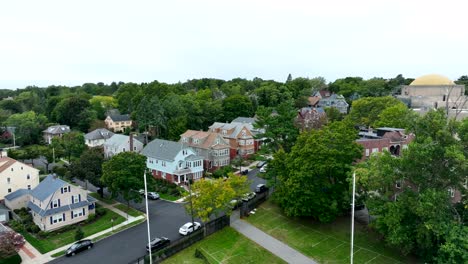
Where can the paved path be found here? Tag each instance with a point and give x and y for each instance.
(30, 255)
(270, 243)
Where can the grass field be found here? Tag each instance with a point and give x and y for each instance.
(132, 212)
(104, 199)
(225, 246)
(325, 243)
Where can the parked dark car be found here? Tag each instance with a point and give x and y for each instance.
(158, 243)
(261, 188)
(79, 246)
(261, 164)
(245, 172)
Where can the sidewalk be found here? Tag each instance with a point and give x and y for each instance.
(30, 255)
(270, 243)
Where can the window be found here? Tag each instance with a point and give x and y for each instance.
(77, 213)
(385, 148)
(75, 198)
(8, 180)
(451, 192)
(9, 190)
(64, 189)
(163, 164)
(21, 167)
(29, 187)
(11, 169)
(184, 139)
(374, 150)
(55, 203)
(123, 150)
(196, 141)
(398, 184)
(367, 152)
(57, 218)
(28, 177)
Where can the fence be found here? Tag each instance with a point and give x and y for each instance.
(179, 245)
(254, 203)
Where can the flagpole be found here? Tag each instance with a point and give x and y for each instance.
(352, 218)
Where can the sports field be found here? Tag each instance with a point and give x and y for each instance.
(325, 243)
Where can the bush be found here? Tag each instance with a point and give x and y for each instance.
(42, 234)
(35, 229)
(91, 218)
(100, 211)
(17, 226)
(61, 171)
(79, 234)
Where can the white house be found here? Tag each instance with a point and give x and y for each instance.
(121, 143)
(97, 137)
(56, 131)
(173, 161)
(15, 175)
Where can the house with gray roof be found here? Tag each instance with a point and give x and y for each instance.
(97, 137)
(55, 203)
(329, 99)
(239, 136)
(121, 143)
(117, 122)
(173, 161)
(54, 132)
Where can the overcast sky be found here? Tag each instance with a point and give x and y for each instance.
(59, 42)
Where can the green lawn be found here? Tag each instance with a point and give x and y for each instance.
(126, 209)
(58, 239)
(104, 200)
(15, 259)
(168, 197)
(225, 246)
(325, 243)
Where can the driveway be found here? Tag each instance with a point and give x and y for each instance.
(252, 175)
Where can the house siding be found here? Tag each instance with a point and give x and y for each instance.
(18, 173)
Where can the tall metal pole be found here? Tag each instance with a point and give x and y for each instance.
(352, 218)
(147, 220)
(190, 190)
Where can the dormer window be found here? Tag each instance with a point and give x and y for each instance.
(224, 132)
(184, 139)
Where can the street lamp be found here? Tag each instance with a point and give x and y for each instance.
(112, 221)
(190, 190)
(352, 217)
(147, 220)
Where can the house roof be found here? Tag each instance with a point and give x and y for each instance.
(248, 120)
(6, 162)
(60, 209)
(47, 187)
(100, 133)
(119, 118)
(313, 100)
(16, 194)
(209, 139)
(118, 139)
(162, 149)
(233, 125)
(57, 129)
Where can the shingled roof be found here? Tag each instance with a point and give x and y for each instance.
(162, 149)
(57, 129)
(47, 187)
(120, 118)
(100, 133)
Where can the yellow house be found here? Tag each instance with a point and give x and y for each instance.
(118, 123)
(15, 175)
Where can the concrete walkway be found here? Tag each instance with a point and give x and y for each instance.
(30, 255)
(270, 243)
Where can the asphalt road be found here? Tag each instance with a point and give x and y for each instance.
(126, 246)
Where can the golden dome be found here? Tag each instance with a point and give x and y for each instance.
(432, 79)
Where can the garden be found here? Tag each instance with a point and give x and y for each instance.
(45, 241)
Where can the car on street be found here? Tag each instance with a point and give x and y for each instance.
(234, 204)
(188, 228)
(245, 172)
(79, 246)
(261, 188)
(158, 243)
(261, 164)
(263, 169)
(248, 196)
(153, 195)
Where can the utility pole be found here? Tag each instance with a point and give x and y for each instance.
(190, 190)
(352, 218)
(147, 219)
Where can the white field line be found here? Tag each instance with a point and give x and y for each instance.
(371, 259)
(206, 251)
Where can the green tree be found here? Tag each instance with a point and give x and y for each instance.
(366, 111)
(74, 111)
(278, 123)
(70, 144)
(418, 218)
(29, 126)
(235, 106)
(123, 175)
(212, 197)
(89, 166)
(398, 116)
(313, 180)
(48, 153)
(333, 114)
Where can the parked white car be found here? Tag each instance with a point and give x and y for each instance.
(188, 228)
(263, 169)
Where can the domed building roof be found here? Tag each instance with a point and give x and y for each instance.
(432, 80)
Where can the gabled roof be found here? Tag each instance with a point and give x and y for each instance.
(162, 149)
(313, 100)
(47, 187)
(65, 208)
(57, 129)
(233, 125)
(209, 139)
(100, 133)
(117, 140)
(16, 194)
(6, 162)
(119, 118)
(247, 120)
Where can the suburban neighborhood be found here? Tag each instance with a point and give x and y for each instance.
(168, 187)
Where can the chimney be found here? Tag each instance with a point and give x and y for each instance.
(131, 142)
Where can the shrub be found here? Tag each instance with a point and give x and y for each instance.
(79, 234)
(35, 229)
(60, 170)
(100, 211)
(42, 234)
(163, 189)
(91, 218)
(17, 226)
